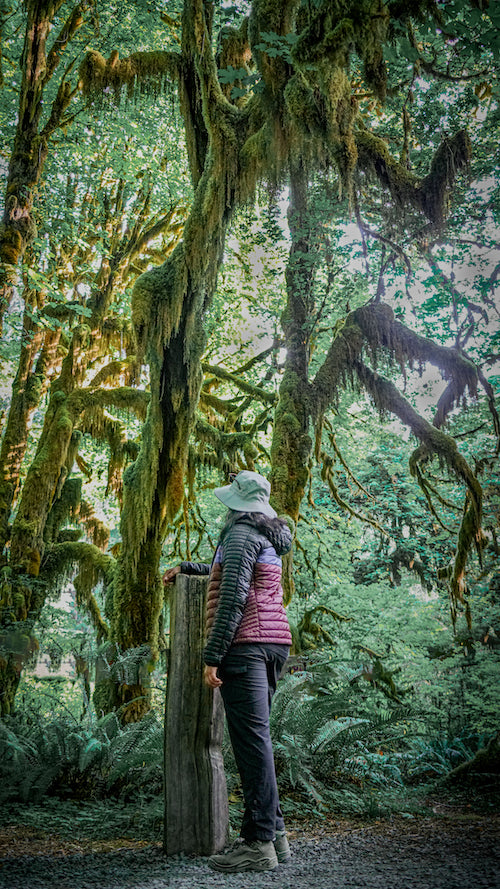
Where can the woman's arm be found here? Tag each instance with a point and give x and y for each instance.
(200, 568)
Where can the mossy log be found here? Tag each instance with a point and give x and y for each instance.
(196, 805)
(484, 765)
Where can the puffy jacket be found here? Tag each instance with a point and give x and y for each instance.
(245, 597)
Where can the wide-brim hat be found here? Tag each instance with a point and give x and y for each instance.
(249, 492)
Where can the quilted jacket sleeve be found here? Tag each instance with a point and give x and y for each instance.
(195, 568)
(241, 547)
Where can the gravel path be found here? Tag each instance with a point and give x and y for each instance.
(420, 853)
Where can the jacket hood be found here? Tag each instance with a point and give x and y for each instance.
(276, 530)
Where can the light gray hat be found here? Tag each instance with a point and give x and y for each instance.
(249, 492)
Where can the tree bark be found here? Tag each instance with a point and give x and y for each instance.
(31, 144)
(196, 804)
(168, 307)
(27, 389)
(292, 444)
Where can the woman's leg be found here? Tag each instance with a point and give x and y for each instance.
(249, 681)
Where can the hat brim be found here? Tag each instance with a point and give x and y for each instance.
(229, 497)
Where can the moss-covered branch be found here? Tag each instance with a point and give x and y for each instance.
(225, 444)
(122, 398)
(374, 328)
(227, 376)
(140, 70)
(92, 567)
(388, 399)
(64, 36)
(428, 194)
(126, 369)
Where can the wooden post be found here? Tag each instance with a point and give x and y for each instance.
(196, 805)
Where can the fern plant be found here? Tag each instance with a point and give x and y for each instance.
(95, 759)
(323, 725)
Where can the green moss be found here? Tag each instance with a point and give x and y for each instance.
(141, 72)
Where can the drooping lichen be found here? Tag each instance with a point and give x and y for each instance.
(141, 71)
(387, 397)
(88, 567)
(428, 194)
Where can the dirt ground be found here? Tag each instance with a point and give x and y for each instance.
(452, 849)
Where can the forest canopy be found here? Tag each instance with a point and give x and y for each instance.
(257, 235)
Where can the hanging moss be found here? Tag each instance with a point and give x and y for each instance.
(95, 529)
(305, 106)
(337, 29)
(126, 370)
(102, 426)
(65, 507)
(430, 194)
(69, 535)
(225, 445)
(452, 156)
(123, 398)
(157, 303)
(141, 71)
(235, 52)
(92, 567)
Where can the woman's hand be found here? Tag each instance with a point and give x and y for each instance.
(211, 678)
(170, 574)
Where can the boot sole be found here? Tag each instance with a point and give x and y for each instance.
(284, 858)
(258, 866)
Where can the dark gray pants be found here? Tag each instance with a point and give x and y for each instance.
(249, 674)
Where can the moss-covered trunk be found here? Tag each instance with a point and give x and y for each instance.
(292, 444)
(22, 593)
(31, 143)
(169, 304)
(169, 307)
(29, 153)
(27, 389)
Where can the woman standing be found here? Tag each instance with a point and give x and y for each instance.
(248, 640)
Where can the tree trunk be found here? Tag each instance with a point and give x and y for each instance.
(31, 143)
(168, 305)
(29, 153)
(27, 389)
(196, 805)
(292, 444)
(22, 593)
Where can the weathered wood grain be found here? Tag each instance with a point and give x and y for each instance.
(196, 805)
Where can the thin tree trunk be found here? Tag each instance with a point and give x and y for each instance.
(27, 389)
(291, 446)
(31, 143)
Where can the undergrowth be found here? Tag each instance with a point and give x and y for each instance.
(338, 749)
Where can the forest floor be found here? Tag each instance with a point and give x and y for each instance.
(454, 846)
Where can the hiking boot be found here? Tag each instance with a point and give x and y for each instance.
(246, 855)
(281, 847)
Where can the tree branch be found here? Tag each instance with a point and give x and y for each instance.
(388, 398)
(71, 26)
(255, 391)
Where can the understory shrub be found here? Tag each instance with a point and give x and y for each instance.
(95, 759)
